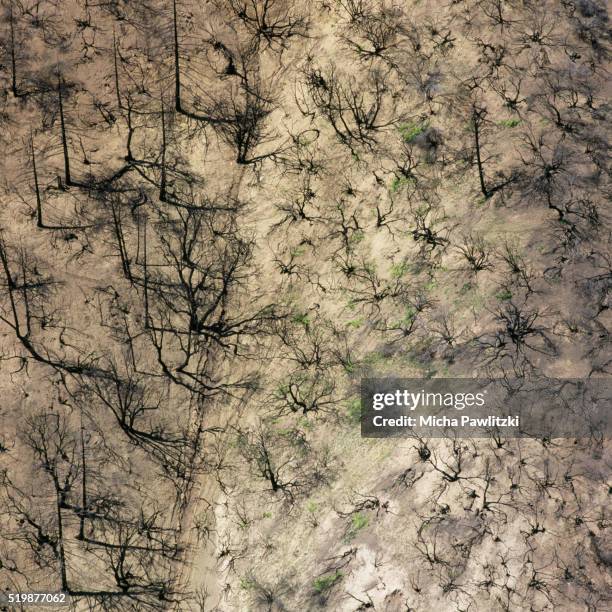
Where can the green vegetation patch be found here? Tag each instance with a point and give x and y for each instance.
(409, 131)
(504, 295)
(398, 270)
(302, 319)
(355, 323)
(324, 583)
(247, 583)
(509, 123)
(358, 522)
(354, 410)
(357, 237)
(397, 183)
(410, 315)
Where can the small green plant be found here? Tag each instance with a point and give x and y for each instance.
(466, 288)
(312, 510)
(281, 391)
(324, 583)
(349, 365)
(266, 515)
(247, 583)
(398, 182)
(358, 522)
(409, 316)
(409, 131)
(306, 423)
(301, 319)
(354, 410)
(357, 237)
(504, 295)
(355, 323)
(431, 285)
(509, 123)
(398, 270)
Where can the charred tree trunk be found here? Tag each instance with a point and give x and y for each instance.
(178, 102)
(145, 276)
(116, 69)
(39, 215)
(81, 535)
(477, 119)
(125, 262)
(60, 545)
(67, 176)
(177, 67)
(13, 59)
(162, 179)
(129, 157)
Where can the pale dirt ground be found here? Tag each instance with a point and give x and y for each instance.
(428, 545)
